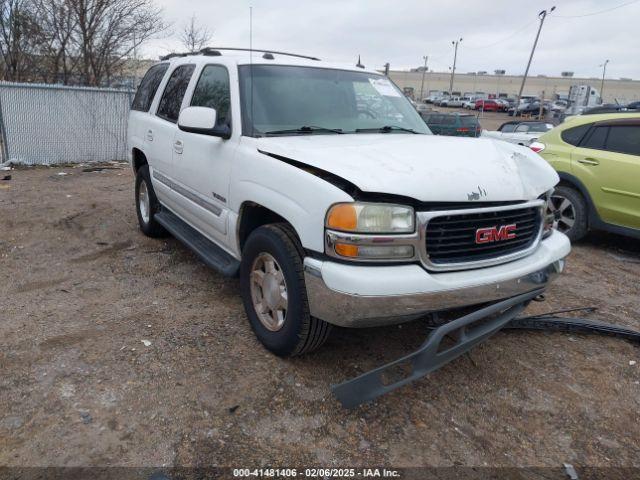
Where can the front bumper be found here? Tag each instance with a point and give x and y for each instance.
(364, 296)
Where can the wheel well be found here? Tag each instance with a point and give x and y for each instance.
(139, 159)
(252, 216)
(565, 182)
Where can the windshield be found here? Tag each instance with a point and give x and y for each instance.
(290, 100)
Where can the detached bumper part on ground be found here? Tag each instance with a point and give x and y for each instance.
(470, 330)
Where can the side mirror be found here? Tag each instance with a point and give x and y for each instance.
(202, 120)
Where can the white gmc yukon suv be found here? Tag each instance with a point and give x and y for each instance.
(323, 189)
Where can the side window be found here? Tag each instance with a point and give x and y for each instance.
(148, 86)
(624, 139)
(508, 128)
(596, 138)
(212, 90)
(171, 100)
(573, 135)
(522, 128)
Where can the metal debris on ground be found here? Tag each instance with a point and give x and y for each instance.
(570, 471)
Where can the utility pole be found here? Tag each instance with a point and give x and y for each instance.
(453, 70)
(604, 72)
(424, 70)
(542, 15)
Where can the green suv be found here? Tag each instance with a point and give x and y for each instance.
(598, 160)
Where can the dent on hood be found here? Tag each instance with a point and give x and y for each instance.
(535, 173)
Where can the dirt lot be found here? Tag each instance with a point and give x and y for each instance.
(81, 287)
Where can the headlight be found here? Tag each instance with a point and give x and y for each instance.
(371, 218)
(371, 232)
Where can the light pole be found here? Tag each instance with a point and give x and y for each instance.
(542, 15)
(426, 57)
(453, 70)
(604, 72)
(498, 73)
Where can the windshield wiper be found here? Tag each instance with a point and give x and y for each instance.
(386, 129)
(304, 129)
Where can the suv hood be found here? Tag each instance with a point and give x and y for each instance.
(423, 167)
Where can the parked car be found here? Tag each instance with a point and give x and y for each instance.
(558, 106)
(453, 124)
(469, 104)
(323, 204)
(487, 105)
(503, 103)
(456, 102)
(633, 106)
(520, 133)
(532, 108)
(598, 160)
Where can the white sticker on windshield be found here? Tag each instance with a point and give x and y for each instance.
(384, 87)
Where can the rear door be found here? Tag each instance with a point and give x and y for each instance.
(139, 116)
(608, 163)
(161, 130)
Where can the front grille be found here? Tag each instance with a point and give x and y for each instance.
(452, 238)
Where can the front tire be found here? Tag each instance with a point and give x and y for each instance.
(274, 292)
(570, 213)
(147, 205)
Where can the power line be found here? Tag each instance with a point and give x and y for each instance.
(520, 30)
(596, 13)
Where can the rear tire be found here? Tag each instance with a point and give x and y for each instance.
(274, 292)
(570, 212)
(147, 205)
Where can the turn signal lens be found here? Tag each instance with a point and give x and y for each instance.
(343, 217)
(346, 250)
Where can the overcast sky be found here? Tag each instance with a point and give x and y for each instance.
(497, 34)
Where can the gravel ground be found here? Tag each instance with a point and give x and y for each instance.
(81, 289)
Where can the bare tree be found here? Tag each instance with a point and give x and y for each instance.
(108, 31)
(57, 52)
(18, 30)
(193, 36)
(73, 41)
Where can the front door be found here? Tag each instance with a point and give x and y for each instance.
(202, 163)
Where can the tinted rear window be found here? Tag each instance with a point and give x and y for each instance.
(596, 138)
(171, 100)
(624, 139)
(148, 87)
(442, 120)
(468, 121)
(573, 135)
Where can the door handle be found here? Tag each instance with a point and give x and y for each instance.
(178, 147)
(150, 135)
(589, 161)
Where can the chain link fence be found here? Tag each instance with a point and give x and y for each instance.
(53, 124)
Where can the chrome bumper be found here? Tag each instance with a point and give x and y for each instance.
(349, 310)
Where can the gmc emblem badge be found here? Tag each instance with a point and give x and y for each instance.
(495, 234)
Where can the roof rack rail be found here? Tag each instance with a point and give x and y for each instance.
(215, 51)
(237, 49)
(174, 55)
